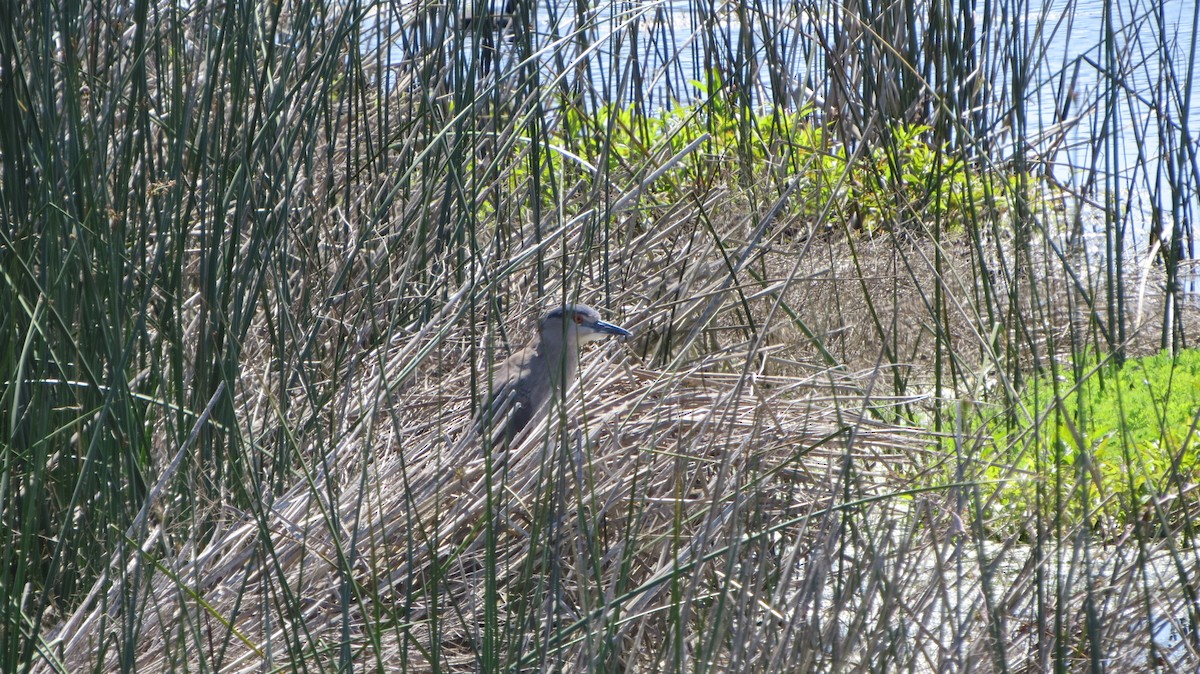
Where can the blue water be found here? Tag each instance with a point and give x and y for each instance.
(1157, 97)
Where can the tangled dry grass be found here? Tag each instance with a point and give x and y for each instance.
(652, 475)
(735, 503)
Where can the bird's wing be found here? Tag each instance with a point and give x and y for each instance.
(509, 408)
(501, 413)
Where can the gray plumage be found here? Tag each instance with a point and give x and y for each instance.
(524, 383)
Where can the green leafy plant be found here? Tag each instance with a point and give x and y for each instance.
(904, 179)
(1114, 445)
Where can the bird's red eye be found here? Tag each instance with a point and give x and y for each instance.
(578, 319)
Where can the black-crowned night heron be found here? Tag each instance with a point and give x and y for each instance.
(546, 366)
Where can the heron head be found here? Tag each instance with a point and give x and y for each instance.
(579, 322)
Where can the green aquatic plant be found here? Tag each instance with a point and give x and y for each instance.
(904, 179)
(1116, 445)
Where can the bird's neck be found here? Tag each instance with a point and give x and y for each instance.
(561, 357)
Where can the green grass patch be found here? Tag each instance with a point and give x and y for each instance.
(1114, 444)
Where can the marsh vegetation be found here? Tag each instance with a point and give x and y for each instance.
(911, 386)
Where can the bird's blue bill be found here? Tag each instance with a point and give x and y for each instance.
(611, 329)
